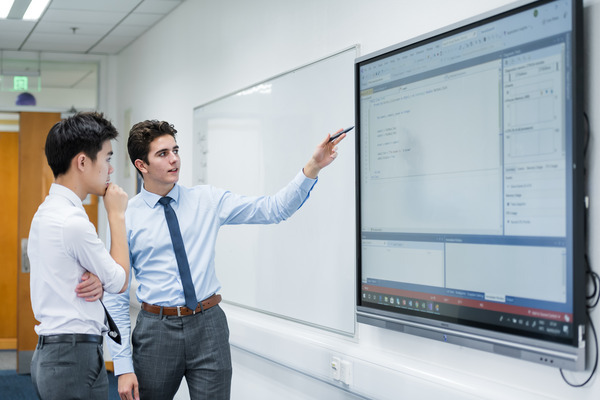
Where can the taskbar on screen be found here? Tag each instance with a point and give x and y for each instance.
(478, 313)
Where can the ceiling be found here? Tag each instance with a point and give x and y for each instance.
(85, 26)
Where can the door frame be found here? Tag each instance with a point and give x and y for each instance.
(35, 178)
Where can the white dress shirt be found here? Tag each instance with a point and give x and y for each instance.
(63, 244)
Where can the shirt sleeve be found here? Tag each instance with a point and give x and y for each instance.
(236, 209)
(118, 307)
(82, 242)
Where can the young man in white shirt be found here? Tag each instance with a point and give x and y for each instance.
(171, 339)
(64, 247)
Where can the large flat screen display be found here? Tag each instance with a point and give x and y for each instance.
(470, 206)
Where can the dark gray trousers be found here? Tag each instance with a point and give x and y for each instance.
(167, 348)
(69, 371)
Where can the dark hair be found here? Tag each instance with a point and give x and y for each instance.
(83, 132)
(142, 134)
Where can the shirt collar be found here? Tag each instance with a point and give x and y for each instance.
(151, 199)
(63, 191)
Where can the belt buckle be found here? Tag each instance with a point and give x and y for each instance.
(179, 311)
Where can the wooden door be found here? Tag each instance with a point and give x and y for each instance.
(90, 206)
(9, 143)
(35, 178)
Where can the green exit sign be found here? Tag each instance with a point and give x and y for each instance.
(20, 83)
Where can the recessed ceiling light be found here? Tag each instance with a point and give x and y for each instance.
(35, 9)
(5, 6)
(22, 9)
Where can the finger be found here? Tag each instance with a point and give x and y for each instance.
(87, 287)
(83, 287)
(339, 139)
(92, 299)
(85, 281)
(85, 292)
(89, 291)
(329, 136)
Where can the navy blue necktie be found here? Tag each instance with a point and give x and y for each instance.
(182, 262)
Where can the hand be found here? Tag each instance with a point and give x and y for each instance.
(324, 155)
(128, 387)
(115, 199)
(90, 287)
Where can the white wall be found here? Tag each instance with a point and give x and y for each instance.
(206, 49)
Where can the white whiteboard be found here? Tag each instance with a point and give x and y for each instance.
(254, 142)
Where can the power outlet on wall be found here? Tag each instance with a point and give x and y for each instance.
(336, 368)
(341, 370)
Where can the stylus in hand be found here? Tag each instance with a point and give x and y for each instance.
(337, 135)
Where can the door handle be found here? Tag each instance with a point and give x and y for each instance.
(25, 268)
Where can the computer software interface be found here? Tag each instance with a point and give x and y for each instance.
(463, 172)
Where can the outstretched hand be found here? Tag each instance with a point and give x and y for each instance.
(324, 155)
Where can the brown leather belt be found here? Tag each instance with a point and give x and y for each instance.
(181, 311)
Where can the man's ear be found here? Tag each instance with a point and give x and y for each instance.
(141, 165)
(80, 160)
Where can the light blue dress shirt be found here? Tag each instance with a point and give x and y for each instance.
(201, 210)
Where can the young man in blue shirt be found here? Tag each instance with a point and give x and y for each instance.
(170, 340)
